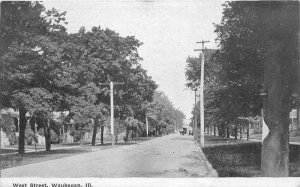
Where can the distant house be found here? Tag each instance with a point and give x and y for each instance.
(13, 115)
(8, 117)
(295, 122)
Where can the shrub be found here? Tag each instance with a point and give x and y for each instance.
(29, 135)
(8, 126)
(244, 159)
(230, 159)
(75, 134)
(12, 138)
(54, 137)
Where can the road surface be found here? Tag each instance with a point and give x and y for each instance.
(168, 156)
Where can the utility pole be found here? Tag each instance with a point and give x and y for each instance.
(112, 109)
(112, 113)
(202, 94)
(195, 115)
(147, 126)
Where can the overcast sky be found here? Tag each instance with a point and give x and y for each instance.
(168, 29)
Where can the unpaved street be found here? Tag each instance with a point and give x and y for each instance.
(169, 156)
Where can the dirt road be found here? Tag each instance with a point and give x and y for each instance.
(169, 156)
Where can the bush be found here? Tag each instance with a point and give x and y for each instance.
(8, 126)
(29, 135)
(75, 134)
(12, 138)
(54, 137)
(244, 159)
(231, 160)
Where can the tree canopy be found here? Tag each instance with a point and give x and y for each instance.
(44, 70)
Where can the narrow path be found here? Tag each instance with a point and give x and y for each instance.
(169, 156)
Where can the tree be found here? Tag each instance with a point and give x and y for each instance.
(241, 57)
(258, 50)
(162, 114)
(101, 56)
(281, 75)
(27, 54)
(211, 85)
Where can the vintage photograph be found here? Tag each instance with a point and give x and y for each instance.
(149, 89)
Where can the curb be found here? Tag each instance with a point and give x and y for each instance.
(211, 171)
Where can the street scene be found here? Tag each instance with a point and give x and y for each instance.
(149, 89)
(168, 156)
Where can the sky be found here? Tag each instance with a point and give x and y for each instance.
(169, 30)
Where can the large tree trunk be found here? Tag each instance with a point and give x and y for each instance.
(22, 127)
(241, 132)
(127, 134)
(227, 132)
(116, 137)
(221, 130)
(96, 125)
(235, 132)
(102, 131)
(214, 130)
(94, 135)
(278, 69)
(81, 137)
(248, 132)
(47, 134)
(131, 132)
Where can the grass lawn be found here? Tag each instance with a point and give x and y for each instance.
(8, 151)
(66, 150)
(241, 158)
(210, 140)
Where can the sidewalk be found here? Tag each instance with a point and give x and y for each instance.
(63, 146)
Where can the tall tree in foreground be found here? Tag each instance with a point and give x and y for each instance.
(258, 42)
(28, 56)
(280, 82)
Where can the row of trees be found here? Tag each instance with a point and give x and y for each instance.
(258, 55)
(44, 69)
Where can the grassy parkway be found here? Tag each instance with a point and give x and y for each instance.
(168, 156)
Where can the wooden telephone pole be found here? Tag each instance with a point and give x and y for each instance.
(111, 83)
(195, 115)
(202, 94)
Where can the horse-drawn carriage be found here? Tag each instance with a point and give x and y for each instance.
(183, 132)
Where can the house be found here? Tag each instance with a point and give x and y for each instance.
(295, 122)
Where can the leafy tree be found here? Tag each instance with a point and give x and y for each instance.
(28, 54)
(256, 39)
(241, 57)
(281, 76)
(45, 70)
(162, 114)
(212, 85)
(258, 51)
(97, 57)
